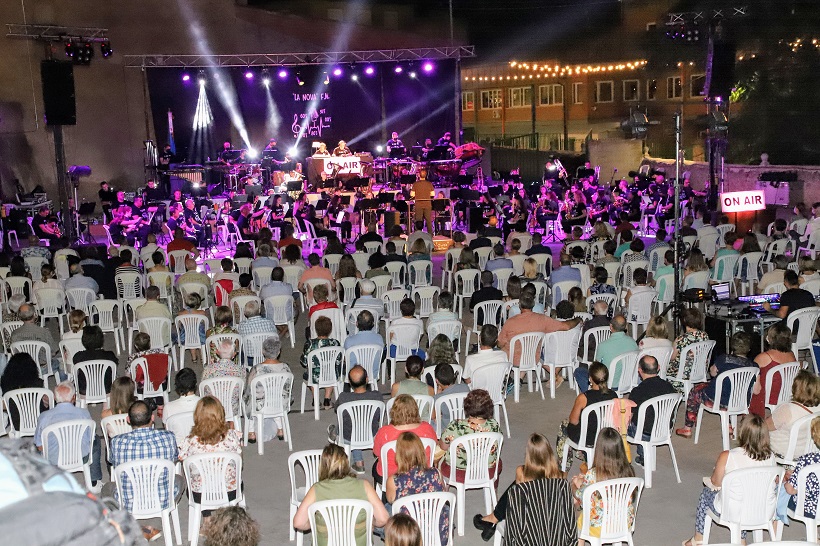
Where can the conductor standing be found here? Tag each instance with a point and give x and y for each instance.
(424, 190)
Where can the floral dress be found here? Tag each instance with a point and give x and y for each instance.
(226, 368)
(216, 330)
(461, 427)
(601, 288)
(232, 443)
(596, 513)
(315, 368)
(683, 341)
(424, 480)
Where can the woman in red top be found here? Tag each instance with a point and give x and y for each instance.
(779, 338)
(404, 417)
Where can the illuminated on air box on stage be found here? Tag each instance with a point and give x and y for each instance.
(742, 201)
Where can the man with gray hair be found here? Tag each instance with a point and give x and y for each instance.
(191, 275)
(79, 280)
(367, 301)
(263, 258)
(64, 410)
(254, 322)
(153, 308)
(367, 335)
(271, 348)
(30, 331)
(600, 316)
(617, 344)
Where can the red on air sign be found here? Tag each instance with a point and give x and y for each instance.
(742, 201)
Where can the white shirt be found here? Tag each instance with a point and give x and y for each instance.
(482, 358)
(180, 405)
(653, 342)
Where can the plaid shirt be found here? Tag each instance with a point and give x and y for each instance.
(39, 251)
(256, 325)
(143, 443)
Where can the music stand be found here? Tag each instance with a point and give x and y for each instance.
(398, 152)
(87, 210)
(294, 186)
(470, 195)
(403, 207)
(440, 206)
(407, 179)
(463, 180)
(358, 182)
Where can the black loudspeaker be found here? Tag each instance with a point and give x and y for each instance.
(475, 218)
(723, 70)
(58, 92)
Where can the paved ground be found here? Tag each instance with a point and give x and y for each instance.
(665, 516)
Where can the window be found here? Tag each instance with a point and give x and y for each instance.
(577, 97)
(697, 85)
(518, 97)
(550, 95)
(603, 92)
(651, 89)
(674, 88)
(490, 98)
(467, 100)
(632, 90)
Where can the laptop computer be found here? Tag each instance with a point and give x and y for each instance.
(721, 292)
(756, 302)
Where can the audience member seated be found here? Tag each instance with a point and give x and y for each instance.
(691, 320)
(271, 349)
(540, 467)
(324, 327)
(404, 417)
(576, 297)
(376, 263)
(29, 331)
(366, 301)
(487, 292)
(123, 394)
(657, 334)
(359, 391)
(753, 450)
(185, 385)
(600, 286)
(226, 366)
(392, 256)
(537, 247)
(412, 384)
(704, 393)
(805, 401)
(316, 271)
(157, 364)
(498, 261)
(619, 342)
(93, 341)
(263, 258)
(446, 385)
(444, 310)
(366, 335)
(336, 481)
(478, 417)
(598, 392)
(565, 272)
(640, 286)
(779, 339)
(793, 299)
(65, 410)
(650, 387)
(781, 264)
(79, 280)
(441, 351)
(528, 321)
(231, 526)
(255, 323)
(223, 324)
(609, 254)
(487, 353)
(787, 495)
(76, 322)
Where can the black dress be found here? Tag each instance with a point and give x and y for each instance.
(593, 397)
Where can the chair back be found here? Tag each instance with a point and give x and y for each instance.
(583, 269)
(117, 424)
(397, 271)
(561, 348)
(724, 267)
(701, 352)
(252, 346)
(618, 496)
(425, 296)
(640, 306)
(340, 517)
(190, 324)
(527, 347)
(17, 285)
(708, 244)
(739, 381)
(332, 262)
(50, 301)
(158, 328)
(406, 339)
(599, 334)
(243, 265)
(337, 319)
(180, 424)
(148, 389)
(424, 403)
(367, 356)
(108, 312)
(455, 406)
(347, 289)
(6, 328)
(279, 309)
(595, 298)
(129, 285)
(478, 447)
(502, 277)
(275, 401)
(467, 282)
(426, 509)
(518, 263)
(309, 460)
(238, 305)
(664, 409)
(661, 354)
(383, 283)
(560, 291)
(603, 418)
(310, 284)
(752, 263)
(787, 373)
(362, 414)
(392, 301)
(69, 435)
(213, 342)
(176, 259)
(656, 257)
(162, 280)
(95, 372)
(420, 272)
(621, 371)
(541, 292)
(544, 263)
(27, 402)
(482, 256)
(493, 379)
(80, 298)
(749, 496)
(487, 312)
(328, 358)
(806, 320)
(146, 476)
(450, 328)
(40, 351)
(361, 259)
(224, 389)
(698, 279)
(665, 285)
(212, 469)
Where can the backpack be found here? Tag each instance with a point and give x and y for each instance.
(40, 505)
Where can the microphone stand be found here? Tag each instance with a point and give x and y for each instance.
(678, 246)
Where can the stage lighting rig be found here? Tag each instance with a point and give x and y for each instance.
(105, 49)
(265, 77)
(637, 124)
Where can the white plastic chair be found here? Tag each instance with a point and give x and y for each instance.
(465, 283)
(362, 414)
(180, 424)
(176, 259)
(109, 319)
(740, 382)
(368, 357)
(528, 348)
(164, 280)
(94, 372)
(69, 435)
(617, 495)
(392, 303)
(426, 509)
(212, 469)
(486, 312)
(347, 290)
(603, 415)
(544, 263)
(40, 351)
(806, 320)
(561, 351)
(190, 324)
(595, 298)
(425, 295)
(451, 329)
(398, 273)
(328, 376)
(702, 354)
(340, 517)
(787, 373)
(420, 273)
(275, 405)
(226, 389)
(51, 303)
(799, 513)
(724, 268)
(406, 341)
(493, 379)
(639, 310)
(148, 390)
(664, 409)
(383, 283)
(337, 320)
(159, 330)
(599, 334)
(309, 460)
(661, 354)
(455, 408)
(238, 306)
(129, 285)
(27, 402)
(280, 310)
(17, 285)
(145, 478)
(6, 329)
(478, 446)
(80, 298)
(483, 256)
(310, 284)
(560, 291)
(623, 367)
(117, 424)
(751, 261)
(748, 502)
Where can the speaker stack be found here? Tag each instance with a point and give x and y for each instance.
(58, 92)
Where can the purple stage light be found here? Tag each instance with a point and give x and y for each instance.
(186, 77)
(248, 75)
(283, 74)
(337, 72)
(398, 70)
(428, 67)
(369, 70)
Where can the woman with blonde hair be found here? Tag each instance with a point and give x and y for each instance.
(576, 297)
(657, 334)
(540, 463)
(599, 233)
(338, 482)
(211, 434)
(347, 268)
(404, 417)
(441, 352)
(418, 251)
(466, 260)
(413, 475)
(402, 530)
(805, 401)
(531, 272)
(753, 450)
(76, 323)
(47, 279)
(120, 399)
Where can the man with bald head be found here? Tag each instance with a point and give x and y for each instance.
(360, 390)
(191, 275)
(617, 344)
(600, 316)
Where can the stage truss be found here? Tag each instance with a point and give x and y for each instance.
(296, 59)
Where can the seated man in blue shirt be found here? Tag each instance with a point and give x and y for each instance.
(367, 335)
(565, 272)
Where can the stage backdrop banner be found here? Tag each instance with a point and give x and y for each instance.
(343, 109)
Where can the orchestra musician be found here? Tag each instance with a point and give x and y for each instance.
(446, 140)
(107, 198)
(165, 159)
(152, 192)
(575, 213)
(342, 150)
(45, 226)
(194, 222)
(427, 148)
(394, 143)
(227, 153)
(138, 226)
(272, 149)
(424, 192)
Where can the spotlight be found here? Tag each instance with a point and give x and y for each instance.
(412, 75)
(266, 82)
(398, 69)
(354, 77)
(337, 72)
(105, 49)
(327, 79)
(283, 74)
(186, 77)
(265, 77)
(427, 67)
(201, 78)
(248, 75)
(299, 81)
(369, 70)
(293, 151)
(379, 148)
(69, 49)
(86, 53)
(252, 153)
